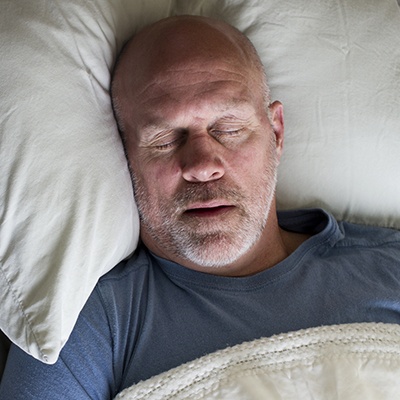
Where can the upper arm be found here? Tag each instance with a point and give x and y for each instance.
(84, 369)
(27, 378)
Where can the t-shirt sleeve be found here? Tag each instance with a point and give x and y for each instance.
(84, 369)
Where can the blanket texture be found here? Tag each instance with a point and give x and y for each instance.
(354, 361)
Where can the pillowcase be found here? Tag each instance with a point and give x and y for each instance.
(342, 109)
(66, 207)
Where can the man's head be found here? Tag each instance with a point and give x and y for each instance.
(202, 140)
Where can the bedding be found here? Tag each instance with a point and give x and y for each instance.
(67, 211)
(341, 362)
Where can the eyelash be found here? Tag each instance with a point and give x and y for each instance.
(165, 146)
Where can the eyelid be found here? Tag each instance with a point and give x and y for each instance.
(228, 129)
(165, 140)
(230, 123)
(165, 145)
(231, 132)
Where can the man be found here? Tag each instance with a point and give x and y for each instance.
(217, 265)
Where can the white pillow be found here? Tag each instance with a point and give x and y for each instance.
(66, 205)
(66, 208)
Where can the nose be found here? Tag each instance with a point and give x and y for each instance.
(201, 159)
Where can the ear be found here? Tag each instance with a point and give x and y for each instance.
(277, 123)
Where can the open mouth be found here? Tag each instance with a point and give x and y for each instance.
(209, 211)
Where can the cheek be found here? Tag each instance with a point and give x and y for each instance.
(158, 179)
(253, 164)
(248, 160)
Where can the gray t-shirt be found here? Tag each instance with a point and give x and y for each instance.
(149, 315)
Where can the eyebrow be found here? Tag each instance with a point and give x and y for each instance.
(160, 125)
(156, 126)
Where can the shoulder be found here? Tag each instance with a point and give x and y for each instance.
(355, 235)
(368, 248)
(340, 233)
(115, 294)
(137, 263)
(129, 273)
(124, 283)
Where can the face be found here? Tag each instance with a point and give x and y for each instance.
(203, 155)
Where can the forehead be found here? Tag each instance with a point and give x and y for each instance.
(185, 98)
(195, 71)
(206, 112)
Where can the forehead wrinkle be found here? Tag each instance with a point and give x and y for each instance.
(190, 77)
(230, 107)
(168, 90)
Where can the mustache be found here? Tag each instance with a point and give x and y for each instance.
(202, 192)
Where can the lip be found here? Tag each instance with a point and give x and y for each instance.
(209, 208)
(208, 204)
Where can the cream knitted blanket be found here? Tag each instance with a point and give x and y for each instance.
(354, 361)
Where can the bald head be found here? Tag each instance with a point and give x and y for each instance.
(179, 44)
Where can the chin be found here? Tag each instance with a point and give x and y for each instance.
(215, 252)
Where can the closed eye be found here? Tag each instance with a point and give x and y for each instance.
(167, 140)
(227, 131)
(166, 146)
